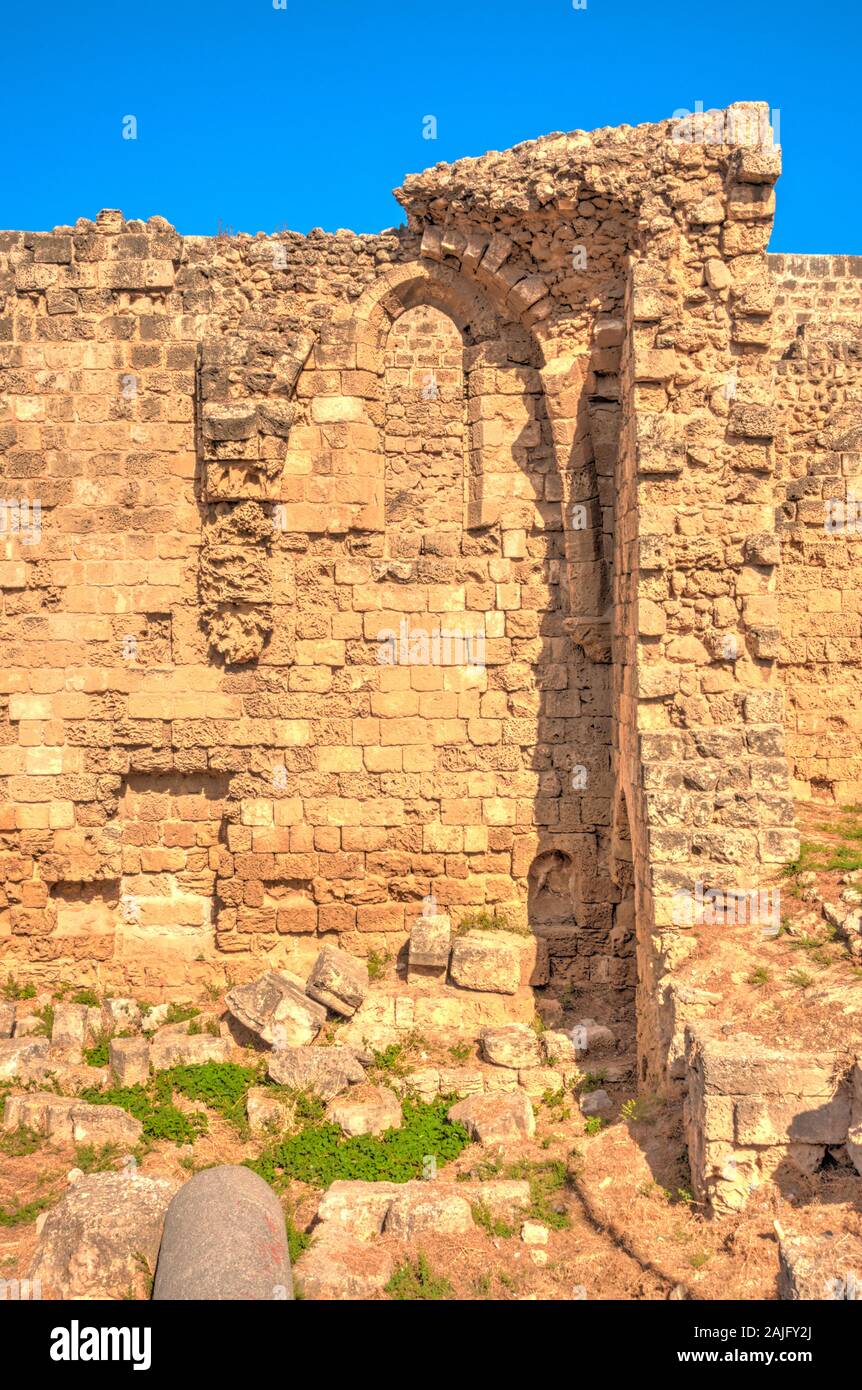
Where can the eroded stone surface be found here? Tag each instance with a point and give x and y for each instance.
(325, 1071)
(93, 1243)
(486, 961)
(366, 1110)
(496, 1119)
(277, 1010)
(338, 980)
(514, 1045)
(338, 1266)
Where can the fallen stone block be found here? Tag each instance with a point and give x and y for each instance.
(101, 1237)
(224, 1239)
(324, 1071)
(267, 1112)
(42, 1111)
(69, 1028)
(367, 1110)
(17, 1054)
(337, 1266)
(7, 1020)
(486, 961)
(277, 1010)
(424, 1083)
(589, 1036)
(500, 1079)
(73, 1077)
(429, 948)
(596, 1103)
(505, 1198)
(461, 1081)
(496, 1119)
(170, 1048)
(129, 1061)
(515, 1045)
(338, 980)
(539, 1081)
(466, 1012)
(423, 1208)
(557, 1046)
(67, 1120)
(121, 1016)
(360, 1209)
(104, 1124)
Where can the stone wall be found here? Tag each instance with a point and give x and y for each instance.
(818, 350)
(304, 637)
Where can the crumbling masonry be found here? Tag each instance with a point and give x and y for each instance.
(481, 559)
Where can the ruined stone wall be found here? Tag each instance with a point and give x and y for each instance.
(231, 725)
(226, 725)
(700, 738)
(818, 350)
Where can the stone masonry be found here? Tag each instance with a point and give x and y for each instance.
(459, 562)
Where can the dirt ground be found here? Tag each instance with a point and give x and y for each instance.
(633, 1230)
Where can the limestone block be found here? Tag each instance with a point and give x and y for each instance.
(366, 1110)
(171, 1048)
(427, 1207)
(595, 1103)
(430, 944)
(484, 960)
(337, 1266)
(17, 1054)
(538, 1081)
(69, 1029)
(496, 1119)
(130, 1061)
(104, 1124)
(95, 1240)
(276, 1008)
(515, 1045)
(267, 1111)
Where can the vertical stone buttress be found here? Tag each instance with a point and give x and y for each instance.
(700, 741)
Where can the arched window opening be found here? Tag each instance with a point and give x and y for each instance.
(424, 433)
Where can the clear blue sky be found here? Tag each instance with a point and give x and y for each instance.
(309, 115)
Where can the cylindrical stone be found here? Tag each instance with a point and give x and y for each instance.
(224, 1238)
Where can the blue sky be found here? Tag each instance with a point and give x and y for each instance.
(260, 118)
